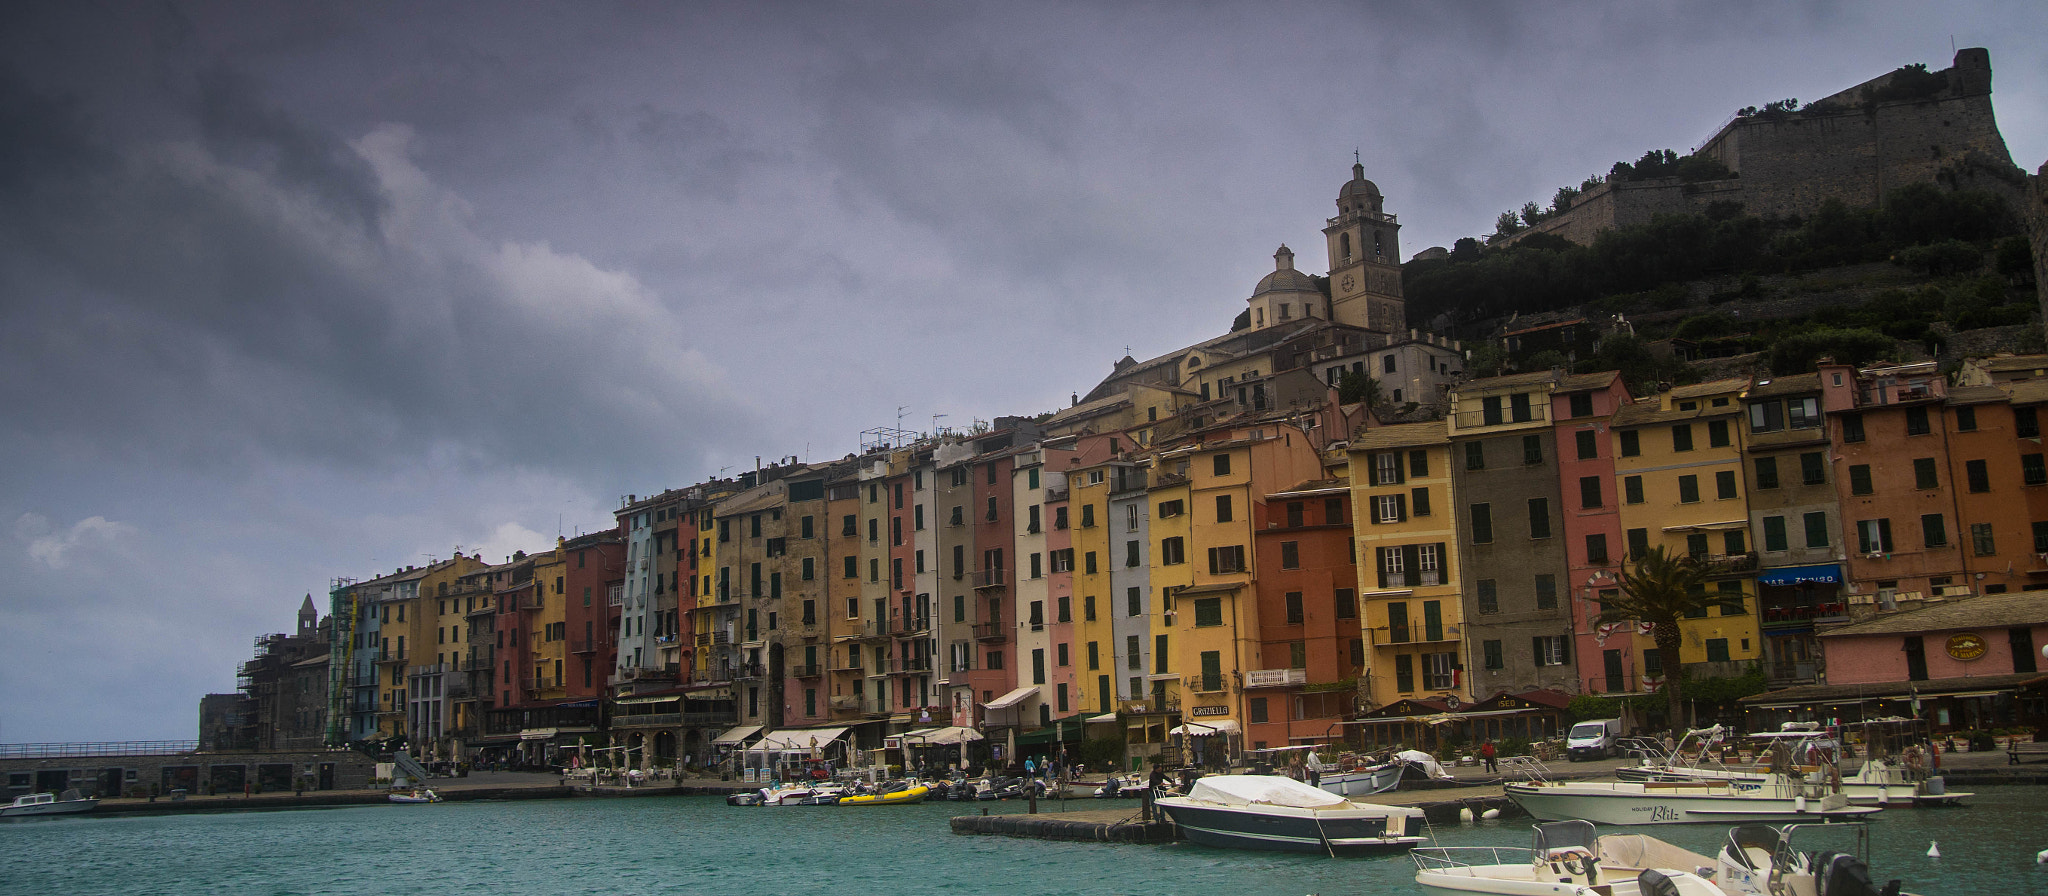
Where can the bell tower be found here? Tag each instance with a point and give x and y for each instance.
(1365, 259)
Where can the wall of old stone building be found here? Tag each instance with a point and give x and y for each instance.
(198, 771)
(1791, 164)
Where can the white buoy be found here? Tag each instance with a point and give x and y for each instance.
(2041, 857)
(1490, 814)
(1933, 849)
(1465, 815)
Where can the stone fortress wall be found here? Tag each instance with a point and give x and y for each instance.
(1790, 163)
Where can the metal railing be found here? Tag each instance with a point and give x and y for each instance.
(989, 631)
(988, 578)
(101, 748)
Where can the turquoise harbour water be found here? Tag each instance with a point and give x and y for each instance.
(700, 845)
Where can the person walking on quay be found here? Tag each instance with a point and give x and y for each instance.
(1489, 756)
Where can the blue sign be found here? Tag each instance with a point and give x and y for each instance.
(1825, 574)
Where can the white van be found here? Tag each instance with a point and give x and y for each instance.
(1593, 739)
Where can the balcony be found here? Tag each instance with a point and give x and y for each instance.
(845, 704)
(1534, 412)
(917, 665)
(1786, 674)
(748, 670)
(813, 670)
(649, 720)
(398, 657)
(585, 645)
(913, 627)
(988, 578)
(1727, 564)
(990, 631)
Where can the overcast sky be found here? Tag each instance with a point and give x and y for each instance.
(292, 291)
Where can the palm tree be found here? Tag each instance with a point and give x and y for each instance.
(1661, 588)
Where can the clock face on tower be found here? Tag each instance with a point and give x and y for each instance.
(1350, 282)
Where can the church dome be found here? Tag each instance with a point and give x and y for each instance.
(1284, 277)
(1286, 281)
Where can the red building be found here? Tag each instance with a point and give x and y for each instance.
(1301, 685)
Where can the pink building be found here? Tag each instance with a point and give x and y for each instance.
(1972, 663)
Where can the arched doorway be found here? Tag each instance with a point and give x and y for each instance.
(664, 746)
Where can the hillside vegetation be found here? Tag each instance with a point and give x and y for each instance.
(1896, 279)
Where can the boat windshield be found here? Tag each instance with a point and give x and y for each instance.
(1558, 835)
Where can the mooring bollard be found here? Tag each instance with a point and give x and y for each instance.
(1034, 803)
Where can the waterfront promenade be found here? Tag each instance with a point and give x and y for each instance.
(1472, 787)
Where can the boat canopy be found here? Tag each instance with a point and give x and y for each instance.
(1270, 790)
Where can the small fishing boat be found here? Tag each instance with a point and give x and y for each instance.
(1274, 812)
(1568, 858)
(417, 796)
(70, 802)
(898, 793)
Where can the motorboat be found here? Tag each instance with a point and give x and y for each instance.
(1568, 858)
(1364, 780)
(1877, 782)
(1682, 802)
(1274, 812)
(896, 793)
(1760, 860)
(1120, 787)
(417, 796)
(67, 803)
(800, 793)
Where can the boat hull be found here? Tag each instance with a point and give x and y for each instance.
(1363, 830)
(893, 798)
(1638, 804)
(1364, 782)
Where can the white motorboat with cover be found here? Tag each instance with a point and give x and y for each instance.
(1760, 860)
(1567, 859)
(1273, 812)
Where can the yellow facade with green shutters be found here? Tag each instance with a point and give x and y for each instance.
(1409, 580)
(1678, 466)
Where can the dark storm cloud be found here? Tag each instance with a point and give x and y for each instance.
(294, 292)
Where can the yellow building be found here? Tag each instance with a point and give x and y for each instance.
(1094, 630)
(1408, 576)
(1679, 467)
(547, 625)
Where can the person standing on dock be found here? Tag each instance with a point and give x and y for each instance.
(1314, 769)
(1488, 755)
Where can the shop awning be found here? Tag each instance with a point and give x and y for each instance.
(537, 734)
(641, 701)
(1105, 717)
(1822, 574)
(941, 737)
(1011, 699)
(799, 738)
(736, 735)
(1203, 729)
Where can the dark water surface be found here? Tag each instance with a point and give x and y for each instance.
(700, 845)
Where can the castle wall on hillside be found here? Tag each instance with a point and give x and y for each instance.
(1789, 164)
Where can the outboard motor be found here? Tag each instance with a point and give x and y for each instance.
(1653, 883)
(1848, 876)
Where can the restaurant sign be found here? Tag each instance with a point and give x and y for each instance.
(1966, 646)
(1209, 711)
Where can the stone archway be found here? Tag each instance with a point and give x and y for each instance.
(664, 746)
